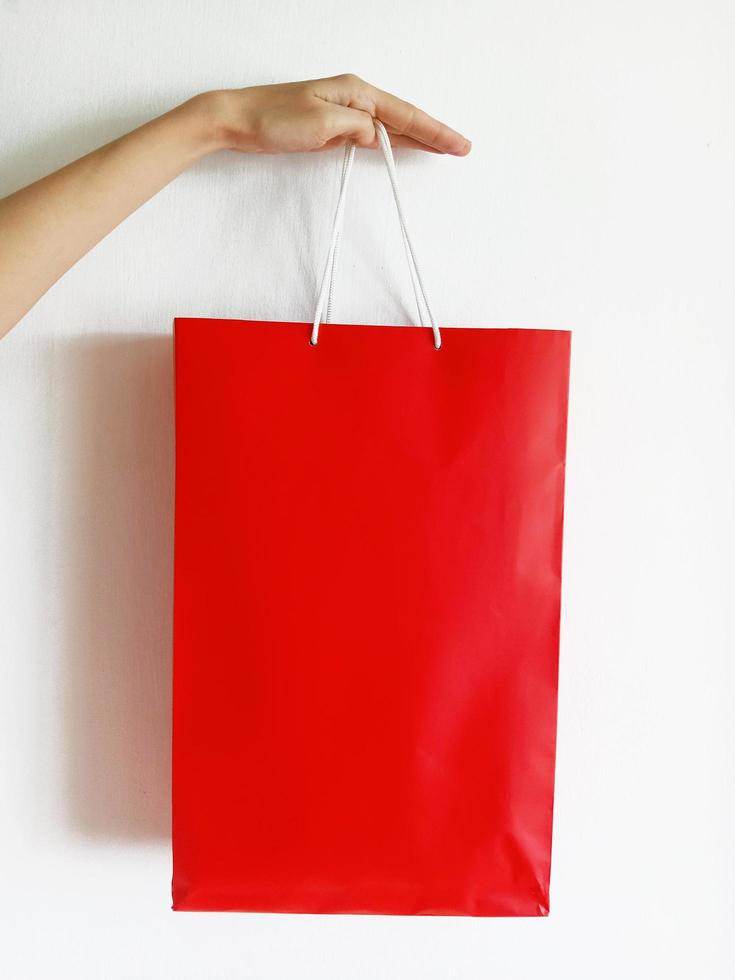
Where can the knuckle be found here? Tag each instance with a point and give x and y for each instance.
(412, 118)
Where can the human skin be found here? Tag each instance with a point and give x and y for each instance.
(49, 225)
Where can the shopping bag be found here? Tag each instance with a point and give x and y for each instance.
(368, 543)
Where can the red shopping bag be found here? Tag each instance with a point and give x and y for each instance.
(367, 598)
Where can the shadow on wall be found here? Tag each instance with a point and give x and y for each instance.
(118, 487)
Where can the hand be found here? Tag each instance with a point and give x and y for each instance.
(46, 227)
(321, 114)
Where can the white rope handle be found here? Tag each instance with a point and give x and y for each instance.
(346, 167)
(327, 284)
(346, 163)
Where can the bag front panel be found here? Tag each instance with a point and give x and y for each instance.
(367, 596)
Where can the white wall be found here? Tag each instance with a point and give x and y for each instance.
(598, 197)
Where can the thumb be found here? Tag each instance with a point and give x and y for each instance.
(345, 124)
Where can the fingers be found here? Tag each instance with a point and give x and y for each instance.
(408, 125)
(396, 140)
(406, 120)
(343, 125)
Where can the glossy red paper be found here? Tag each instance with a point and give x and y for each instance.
(367, 598)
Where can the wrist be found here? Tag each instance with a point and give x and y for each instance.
(207, 119)
(226, 120)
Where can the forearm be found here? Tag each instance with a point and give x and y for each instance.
(46, 227)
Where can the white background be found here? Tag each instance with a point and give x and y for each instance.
(599, 198)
